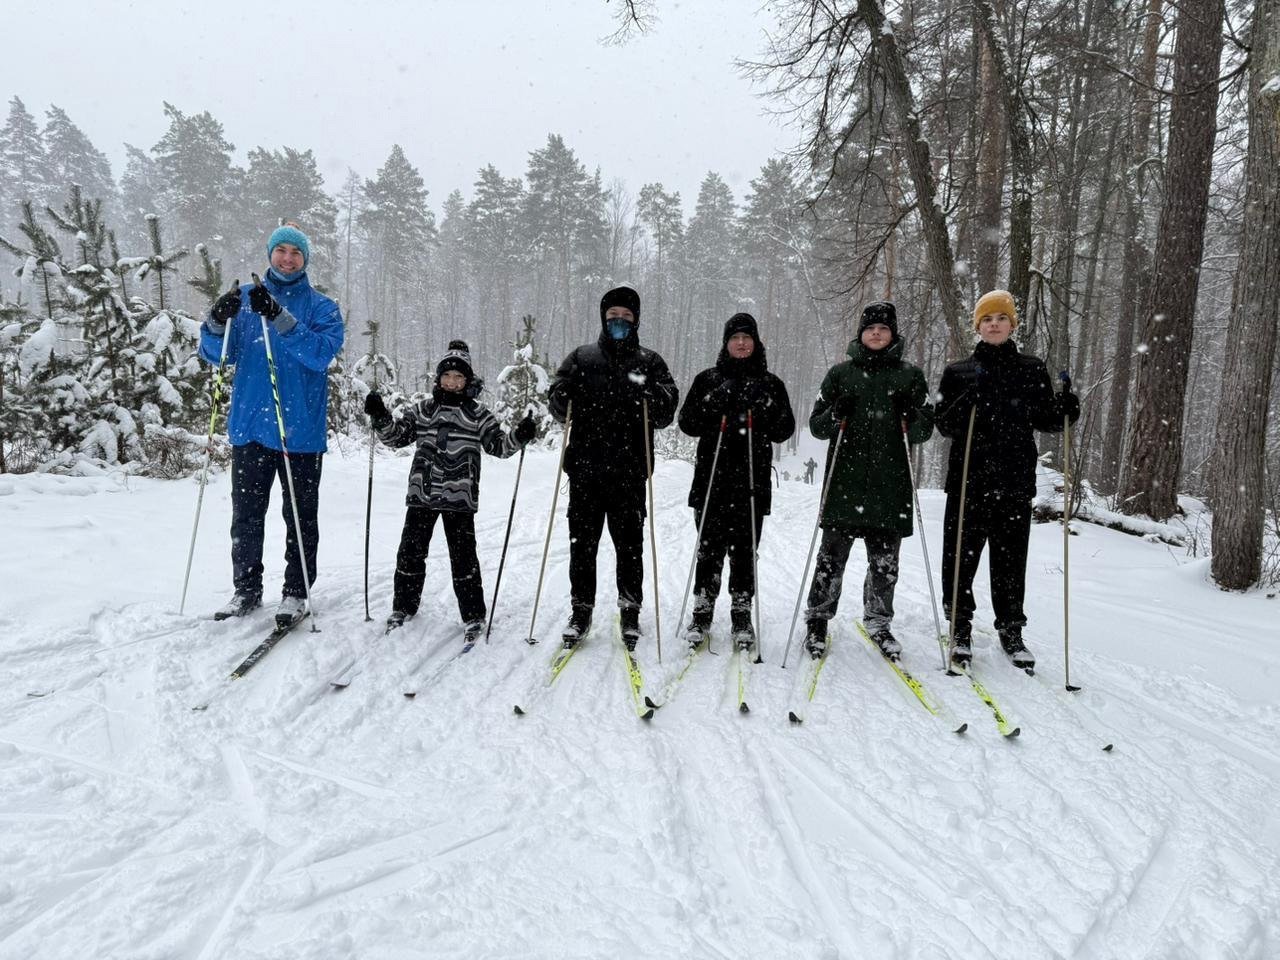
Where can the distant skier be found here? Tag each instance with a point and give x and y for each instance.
(873, 393)
(608, 382)
(809, 466)
(739, 382)
(1012, 396)
(451, 428)
(306, 333)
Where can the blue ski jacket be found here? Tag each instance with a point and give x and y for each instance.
(302, 356)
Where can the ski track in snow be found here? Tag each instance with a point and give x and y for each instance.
(291, 819)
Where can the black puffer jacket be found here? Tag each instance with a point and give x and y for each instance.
(607, 382)
(1014, 397)
(729, 389)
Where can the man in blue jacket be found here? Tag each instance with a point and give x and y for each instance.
(306, 334)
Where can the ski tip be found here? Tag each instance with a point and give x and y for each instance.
(410, 694)
(338, 686)
(1072, 688)
(961, 729)
(650, 704)
(743, 708)
(1108, 748)
(791, 715)
(200, 708)
(1016, 731)
(518, 711)
(647, 715)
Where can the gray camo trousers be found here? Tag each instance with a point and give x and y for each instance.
(877, 588)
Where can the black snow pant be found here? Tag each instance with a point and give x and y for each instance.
(411, 560)
(727, 530)
(590, 507)
(253, 472)
(1003, 522)
(877, 587)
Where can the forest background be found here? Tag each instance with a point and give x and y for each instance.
(1113, 164)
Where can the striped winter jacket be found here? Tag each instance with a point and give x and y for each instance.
(446, 467)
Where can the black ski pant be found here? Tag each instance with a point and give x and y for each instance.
(877, 587)
(254, 469)
(411, 560)
(591, 506)
(1001, 521)
(727, 530)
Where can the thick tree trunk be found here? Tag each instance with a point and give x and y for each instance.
(989, 144)
(1108, 478)
(1155, 445)
(1238, 479)
(915, 150)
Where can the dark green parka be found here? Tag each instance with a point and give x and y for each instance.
(871, 487)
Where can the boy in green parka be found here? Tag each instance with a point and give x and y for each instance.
(875, 394)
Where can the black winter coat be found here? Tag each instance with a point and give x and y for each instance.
(747, 383)
(607, 382)
(1014, 397)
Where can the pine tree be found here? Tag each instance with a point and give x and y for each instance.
(141, 192)
(73, 159)
(493, 243)
(287, 185)
(523, 384)
(200, 182)
(23, 164)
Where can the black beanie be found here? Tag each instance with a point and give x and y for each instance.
(457, 357)
(881, 311)
(621, 297)
(741, 323)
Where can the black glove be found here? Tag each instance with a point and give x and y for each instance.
(903, 408)
(844, 406)
(526, 430)
(1068, 404)
(723, 399)
(375, 408)
(755, 395)
(224, 308)
(262, 302)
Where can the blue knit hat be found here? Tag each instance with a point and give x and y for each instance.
(292, 236)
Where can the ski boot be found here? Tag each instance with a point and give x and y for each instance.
(962, 649)
(395, 621)
(471, 631)
(1016, 650)
(579, 624)
(815, 640)
(888, 644)
(630, 617)
(696, 632)
(742, 635)
(238, 606)
(290, 611)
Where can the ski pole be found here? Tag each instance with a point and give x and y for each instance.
(653, 537)
(706, 504)
(924, 549)
(1066, 540)
(551, 520)
(822, 505)
(751, 493)
(368, 500)
(505, 540)
(955, 573)
(214, 403)
(288, 472)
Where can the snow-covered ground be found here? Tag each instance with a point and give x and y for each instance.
(293, 821)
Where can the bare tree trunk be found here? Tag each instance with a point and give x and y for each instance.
(916, 151)
(1238, 480)
(1108, 478)
(989, 189)
(1155, 445)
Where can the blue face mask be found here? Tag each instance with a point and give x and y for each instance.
(618, 328)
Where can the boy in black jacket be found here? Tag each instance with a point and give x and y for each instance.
(451, 428)
(1008, 395)
(609, 382)
(739, 382)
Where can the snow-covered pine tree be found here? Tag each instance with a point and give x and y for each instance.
(523, 384)
(72, 158)
(22, 163)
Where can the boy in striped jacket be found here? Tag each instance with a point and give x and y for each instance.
(451, 428)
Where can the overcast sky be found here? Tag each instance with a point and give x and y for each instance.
(457, 84)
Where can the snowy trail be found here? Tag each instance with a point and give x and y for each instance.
(294, 820)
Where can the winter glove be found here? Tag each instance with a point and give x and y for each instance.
(755, 396)
(722, 400)
(263, 303)
(375, 408)
(224, 308)
(525, 430)
(1068, 404)
(844, 406)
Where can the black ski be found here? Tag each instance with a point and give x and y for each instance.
(261, 650)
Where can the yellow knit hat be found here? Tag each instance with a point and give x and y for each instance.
(997, 301)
